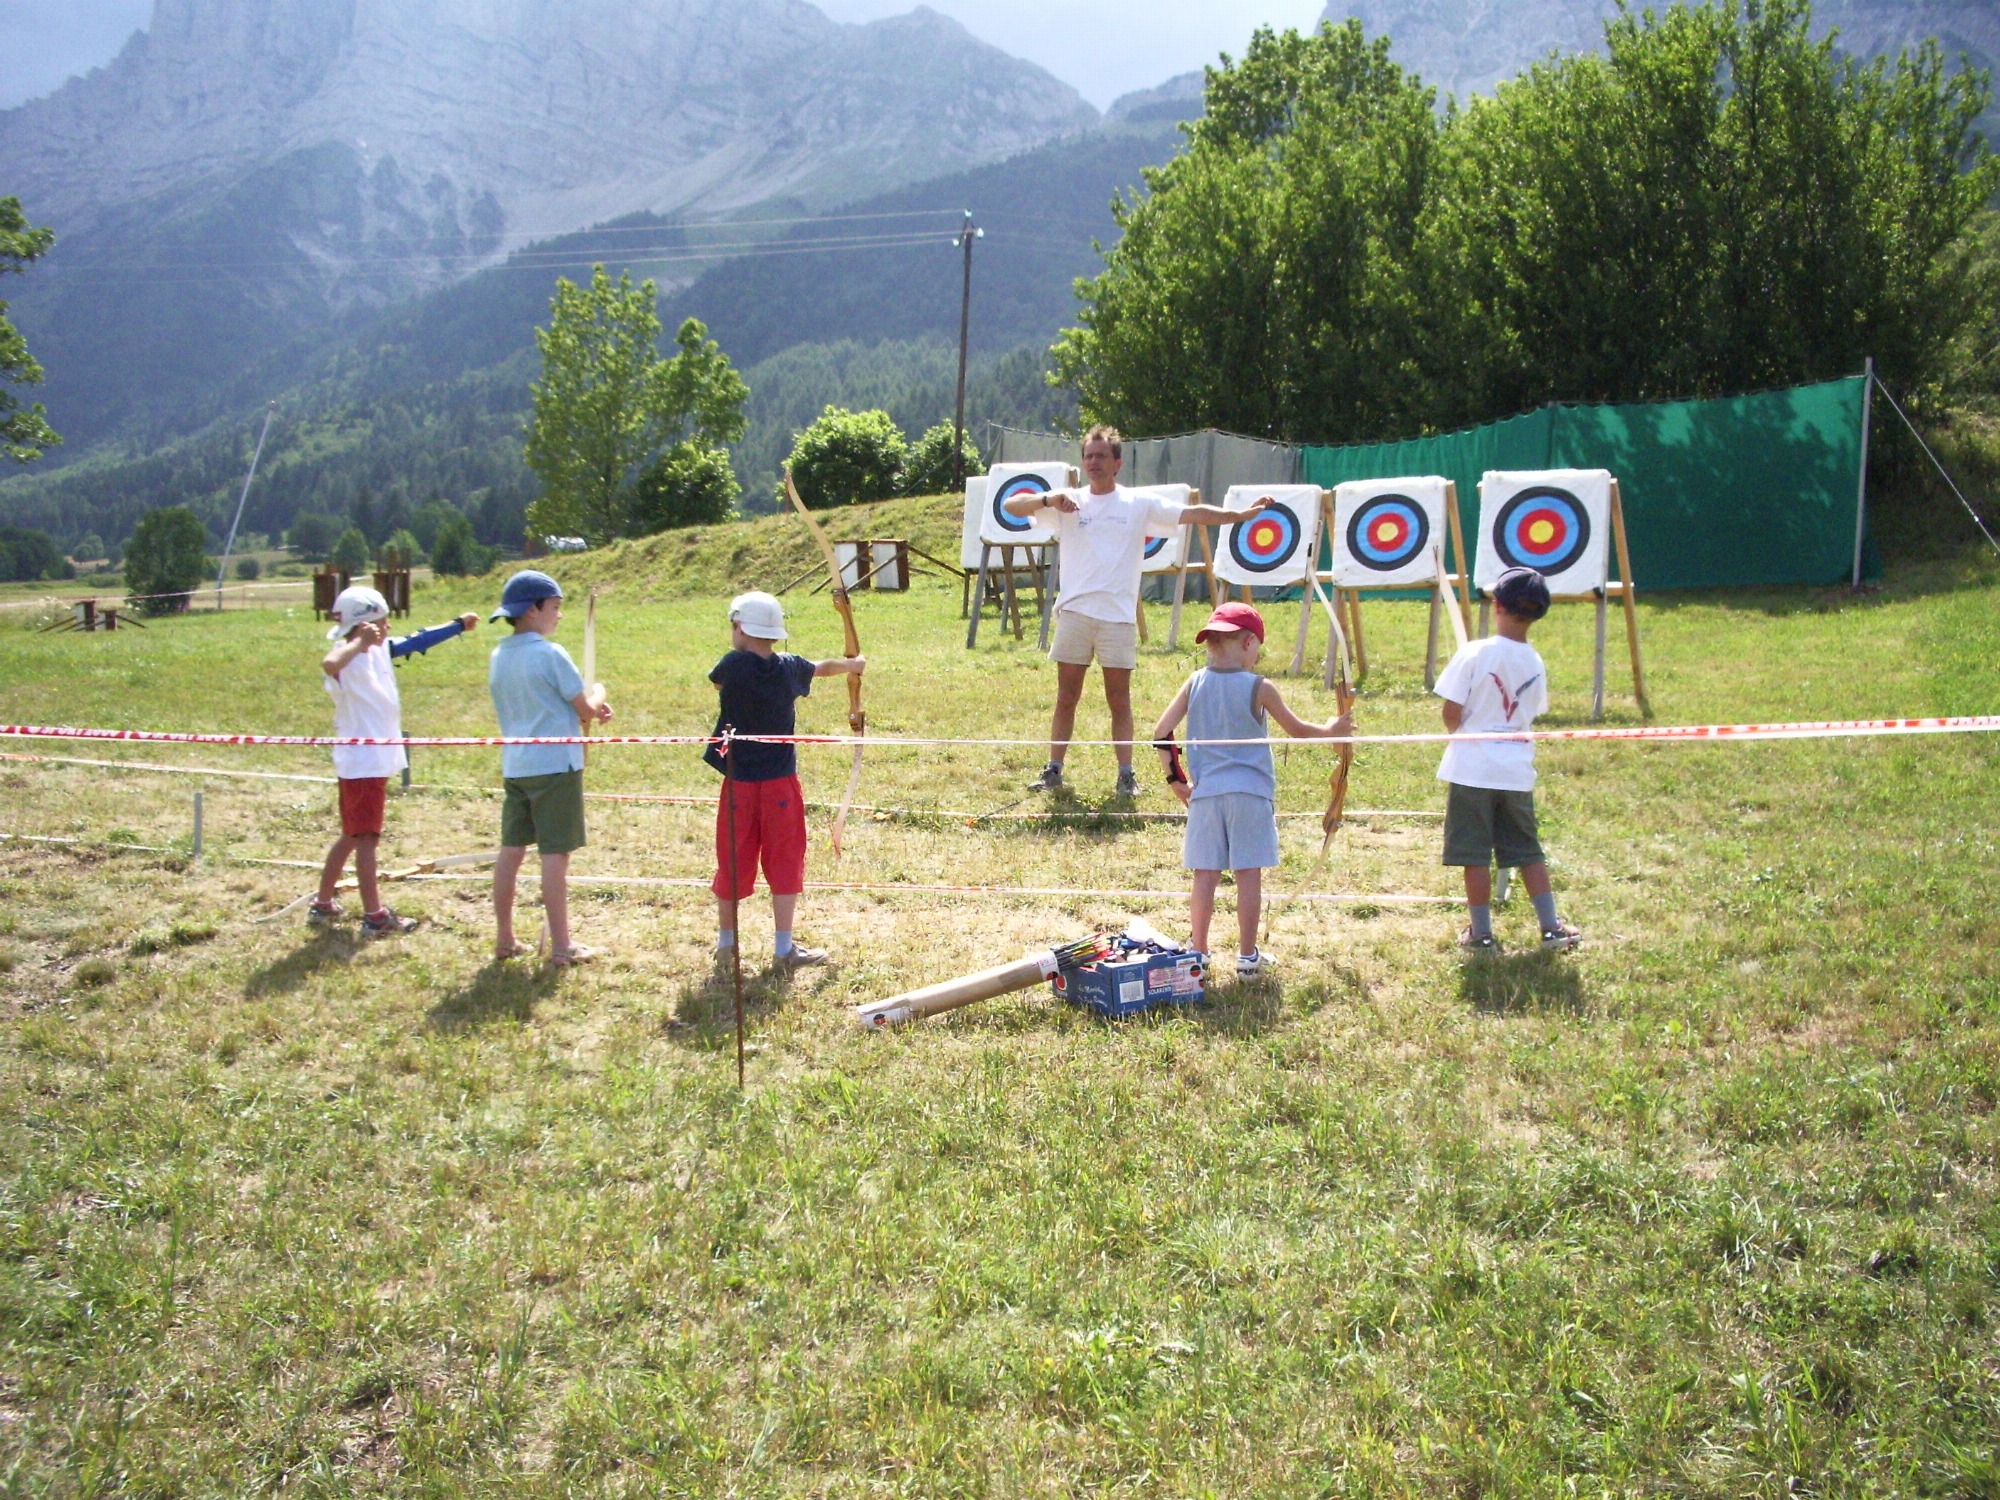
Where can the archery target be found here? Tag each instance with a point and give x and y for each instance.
(1557, 522)
(968, 532)
(1277, 546)
(1005, 482)
(1384, 531)
(1167, 554)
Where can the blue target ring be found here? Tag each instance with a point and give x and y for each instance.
(1020, 484)
(1387, 532)
(1155, 545)
(1544, 528)
(1265, 542)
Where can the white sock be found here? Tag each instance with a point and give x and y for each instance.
(725, 941)
(784, 944)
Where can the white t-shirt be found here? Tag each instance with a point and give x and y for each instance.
(366, 705)
(1503, 686)
(1104, 548)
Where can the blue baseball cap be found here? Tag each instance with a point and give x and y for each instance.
(524, 591)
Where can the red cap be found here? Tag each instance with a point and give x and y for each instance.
(1229, 618)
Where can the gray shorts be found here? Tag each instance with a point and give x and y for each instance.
(1232, 831)
(1484, 826)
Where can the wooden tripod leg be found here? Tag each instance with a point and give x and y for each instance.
(1305, 620)
(1630, 592)
(1010, 608)
(1597, 673)
(1464, 600)
(1431, 642)
(1360, 639)
(978, 598)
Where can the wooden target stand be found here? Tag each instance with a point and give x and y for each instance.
(1346, 602)
(1035, 566)
(1627, 593)
(1454, 591)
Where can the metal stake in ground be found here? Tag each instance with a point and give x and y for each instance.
(736, 900)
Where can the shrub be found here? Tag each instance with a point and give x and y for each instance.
(404, 543)
(350, 553)
(456, 552)
(929, 471)
(848, 458)
(691, 484)
(164, 561)
(248, 568)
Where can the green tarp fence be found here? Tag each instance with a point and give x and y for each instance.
(1741, 490)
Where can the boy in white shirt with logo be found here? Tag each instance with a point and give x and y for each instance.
(360, 674)
(1495, 686)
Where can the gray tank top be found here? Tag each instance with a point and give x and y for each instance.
(1223, 706)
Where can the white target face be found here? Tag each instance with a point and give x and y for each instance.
(1556, 521)
(1385, 531)
(1167, 554)
(968, 531)
(1277, 546)
(1006, 482)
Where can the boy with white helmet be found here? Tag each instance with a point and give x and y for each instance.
(760, 685)
(360, 674)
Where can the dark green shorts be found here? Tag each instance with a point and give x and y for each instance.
(546, 811)
(1483, 826)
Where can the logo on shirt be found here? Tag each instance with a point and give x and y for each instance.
(1511, 701)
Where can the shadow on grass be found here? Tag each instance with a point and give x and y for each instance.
(498, 992)
(1527, 983)
(703, 1015)
(323, 950)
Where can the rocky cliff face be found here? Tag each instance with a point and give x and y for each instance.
(1467, 47)
(539, 115)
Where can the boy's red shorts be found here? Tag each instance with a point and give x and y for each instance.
(363, 800)
(771, 828)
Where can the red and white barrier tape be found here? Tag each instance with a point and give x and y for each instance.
(1814, 729)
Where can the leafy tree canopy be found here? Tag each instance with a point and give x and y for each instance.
(848, 458)
(164, 561)
(607, 406)
(24, 430)
(350, 553)
(928, 470)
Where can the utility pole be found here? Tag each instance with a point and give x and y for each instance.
(222, 570)
(966, 235)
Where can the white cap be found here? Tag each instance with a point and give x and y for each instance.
(758, 614)
(357, 605)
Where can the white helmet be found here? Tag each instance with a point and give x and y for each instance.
(357, 605)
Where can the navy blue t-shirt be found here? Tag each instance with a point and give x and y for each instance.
(757, 697)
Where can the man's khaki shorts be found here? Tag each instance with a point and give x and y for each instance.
(1078, 638)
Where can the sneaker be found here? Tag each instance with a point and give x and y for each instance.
(322, 914)
(1477, 946)
(802, 957)
(1250, 964)
(385, 923)
(1560, 938)
(1050, 780)
(1128, 782)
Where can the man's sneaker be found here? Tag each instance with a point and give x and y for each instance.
(1249, 965)
(1050, 780)
(385, 923)
(1560, 938)
(1477, 946)
(322, 913)
(1128, 782)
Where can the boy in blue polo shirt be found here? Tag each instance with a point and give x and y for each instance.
(538, 693)
(760, 686)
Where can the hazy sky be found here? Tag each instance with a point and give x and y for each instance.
(1103, 48)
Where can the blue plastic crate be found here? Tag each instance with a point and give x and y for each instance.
(1136, 981)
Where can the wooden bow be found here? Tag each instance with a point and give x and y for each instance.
(857, 718)
(593, 690)
(1336, 802)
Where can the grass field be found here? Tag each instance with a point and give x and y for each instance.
(1707, 1208)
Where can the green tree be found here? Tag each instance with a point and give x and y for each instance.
(89, 548)
(1267, 282)
(312, 536)
(429, 519)
(350, 553)
(848, 458)
(404, 544)
(24, 430)
(164, 561)
(607, 406)
(691, 484)
(26, 554)
(928, 470)
(457, 553)
(248, 569)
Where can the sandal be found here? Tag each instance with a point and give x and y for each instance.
(512, 950)
(575, 953)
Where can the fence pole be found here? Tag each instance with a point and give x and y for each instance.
(1861, 489)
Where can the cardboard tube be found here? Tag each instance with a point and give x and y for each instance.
(935, 999)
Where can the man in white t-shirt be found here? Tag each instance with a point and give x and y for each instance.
(1497, 686)
(1101, 535)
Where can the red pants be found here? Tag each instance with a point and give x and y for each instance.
(770, 827)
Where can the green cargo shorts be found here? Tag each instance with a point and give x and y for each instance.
(1484, 826)
(546, 811)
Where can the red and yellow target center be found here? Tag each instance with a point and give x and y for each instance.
(1265, 535)
(1542, 531)
(1386, 532)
